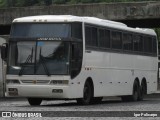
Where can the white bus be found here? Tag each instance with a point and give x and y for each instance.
(82, 58)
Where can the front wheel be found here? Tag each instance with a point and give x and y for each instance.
(34, 101)
(87, 95)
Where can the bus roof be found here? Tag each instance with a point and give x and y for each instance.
(89, 20)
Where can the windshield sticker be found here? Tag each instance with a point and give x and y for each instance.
(57, 38)
(40, 43)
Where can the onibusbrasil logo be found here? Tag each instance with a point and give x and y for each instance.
(21, 114)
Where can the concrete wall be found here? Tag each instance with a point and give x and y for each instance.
(116, 11)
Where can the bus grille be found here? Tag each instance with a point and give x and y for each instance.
(35, 81)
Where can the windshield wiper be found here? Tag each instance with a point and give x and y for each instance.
(29, 59)
(42, 60)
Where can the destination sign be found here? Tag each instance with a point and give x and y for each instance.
(56, 38)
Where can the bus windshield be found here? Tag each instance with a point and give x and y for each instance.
(38, 57)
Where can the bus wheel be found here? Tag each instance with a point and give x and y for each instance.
(136, 91)
(142, 91)
(87, 95)
(34, 101)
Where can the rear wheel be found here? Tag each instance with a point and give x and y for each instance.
(87, 94)
(135, 93)
(136, 90)
(34, 101)
(142, 91)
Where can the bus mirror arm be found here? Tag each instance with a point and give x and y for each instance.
(4, 51)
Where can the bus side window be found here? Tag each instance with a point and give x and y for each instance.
(104, 38)
(148, 44)
(127, 41)
(116, 40)
(91, 36)
(138, 43)
(154, 48)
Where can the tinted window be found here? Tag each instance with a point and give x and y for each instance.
(40, 30)
(154, 50)
(127, 41)
(91, 36)
(138, 43)
(77, 30)
(88, 34)
(94, 37)
(104, 38)
(116, 40)
(148, 44)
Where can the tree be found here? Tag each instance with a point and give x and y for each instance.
(30, 2)
(3, 3)
(59, 1)
(48, 2)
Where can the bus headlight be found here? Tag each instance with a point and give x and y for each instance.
(12, 82)
(59, 82)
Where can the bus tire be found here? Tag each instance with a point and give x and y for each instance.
(142, 91)
(87, 94)
(135, 93)
(34, 101)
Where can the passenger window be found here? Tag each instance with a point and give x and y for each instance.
(127, 41)
(138, 43)
(94, 37)
(104, 38)
(88, 34)
(116, 40)
(154, 50)
(91, 36)
(148, 44)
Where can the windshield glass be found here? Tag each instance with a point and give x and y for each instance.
(31, 30)
(38, 57)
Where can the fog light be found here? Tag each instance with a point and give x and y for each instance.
(57, 91)
(13, 91)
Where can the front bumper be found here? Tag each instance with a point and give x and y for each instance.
(39, 91)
